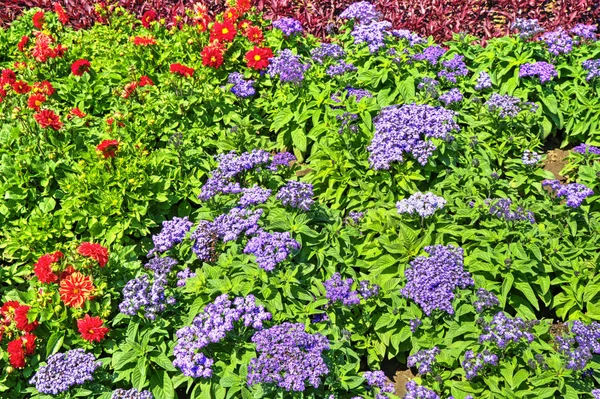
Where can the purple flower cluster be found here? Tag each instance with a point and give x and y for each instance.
(596, 393)
(288, 357)
(414, 391)
(530, 158)
(501, 208)
(485, 300)
(405, 129)
(367, 290)
(409, 36)
(542, 70)
(586, 149)
(593, 68)
(340, 290)
(558, 42)
(377, 379)
(271, 249)
(414, 325)
(356, 216)
(289, 26)
(362, 11)
(422, 204)
(131, 394)
(483, 81)
(475, 364)
(183, 275)
(327, 51)
(527, 27)
(451, 96)
(584, 31)
(580, 345)
(508, 106)
(254, 196)
(373, 34)
(65, 370)
(296, 194)
(346, 120)
(340, 68)
(281, 159)
(359, 94)
(431, 54)
(574, 193)
(230, 226)
(425, 358)
(241, 87)
(173, 232)
(453, 68)
(212, 326)
(431, 281)
(288, 67)
(430, 86)
(503, 330)
(205, 240)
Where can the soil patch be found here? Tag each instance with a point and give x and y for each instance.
(400, 380)
(556, 160)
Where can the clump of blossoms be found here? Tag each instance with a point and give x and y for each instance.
(367, 290)
(485, 300)
(289, 26)
(558, 42)
(530, 158)
(453, 68)
(288, 67)
(501, 208)
(281, 159)
(327, 51)
(575, 193)
(373, 34)
(424, 359)
(414, 325)
(507, 106)
(296, 194)
(527, 27)
(362, 11)
(173, 232)
(584, 31)
(14, 313)
(254, 196)
(405, 129)
(542, 70)
(270, 249)
(341, 68)
(503, 330)
(414, 391)
(586, 149)
(580, 344)
(451, 96)
(131, 394)
(241, 88)
(430, 86)
(422, 204)
(410, 37)
(475, 364)
(65, 370)
(483, 81)
(431, 281)
(340, 290)
(288, 357)
(431, 54)
(377, 379)
(211, 326)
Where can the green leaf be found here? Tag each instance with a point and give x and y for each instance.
(54, 343)
(299, 139)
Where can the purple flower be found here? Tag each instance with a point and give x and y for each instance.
(253, 196)
(542, 70)
(281, 159)
(377, 379)
(339, 290)
(485, 300)
(430, 86)
(451, 96)
(422, 204)
(596, 393)
(65, 370)
(593, 68)
(327, 51)
(414, 391)
(431, 281)
(431, 54)
(405, 129)
(131, 394)
(501, 208)
(453, 68)
(288, 67)
(359, 94)
(288, 357)
(508, 106)
(425, 358)
(367, 290)
(362, 11)
(355, 216)
(230, 226)
(205, 240)
(373, 34)
(587, 32)
(530, 158)
(340, 68)
(414, 325)
(296, 194)
(580, 344)
(241, 87)
(586, 149)
(575, 193)
(503, 330)
(558, 42)
(173, 232)
(271, 249)
(347, 118)
(475, 364)
(289, 26)
(483, 81)
(412, 38)
(527, 27)
(183, 275)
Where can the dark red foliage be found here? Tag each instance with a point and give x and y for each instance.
(440, 18)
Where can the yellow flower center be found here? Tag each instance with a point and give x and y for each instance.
(257, 58)
(38, 103)
(225, 31)
(91, 331)
(213, 58)
(76, 291)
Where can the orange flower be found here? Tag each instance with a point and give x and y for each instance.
(75, 289)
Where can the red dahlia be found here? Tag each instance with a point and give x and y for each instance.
(22, 43)
(43, 267)
(67, 272)
(146, 81)
(90, 249)
(8, 311)
(35, 101)
(144, 41)
(16, 353)
(77, 112)
(39, 19)
(91, 328)
(60, 12)
(75, 289)
(254, 34)
(21, 320)
(44, 87)
(108, 148)
(148, 17)
(243, 5)
(258, 57)
(47, 118)
(8, 76)
(223, 32)
(212, 56)
(232, 14)
(182, 70)
(21, 87)
(80, 67)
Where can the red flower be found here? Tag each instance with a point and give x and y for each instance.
(146, 81)
(29, 343)
(182, 70)
(144, 41)
(8, 311)
(129, 89)
(21, 320)
(223, 32)
(232, 14)
(39, 19)
(212, 56)
(91, 328)
(67, 272)
(90, 249)
(148, 17)
(200, 17)
(44, 87)
(35, 101)
(43, 267)
(22, 43)
(245, 24)
(80, 67)
(62, 15)
(243, 5)
(21, 87)
(20, 65)
(8, 76)
(108, 149)
(75, 289)
(59, 51)
(77, 112)
(254, 34)
(48, 118)
(16, 353)
(258, 57)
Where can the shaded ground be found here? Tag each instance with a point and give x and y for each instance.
(555, 162)
(400, 380)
